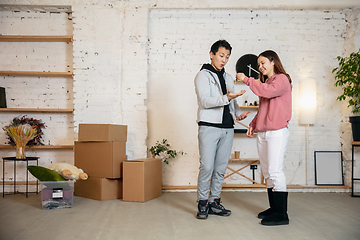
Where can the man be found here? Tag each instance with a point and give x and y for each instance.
(217, 109)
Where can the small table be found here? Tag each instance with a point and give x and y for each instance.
(354, 144)
(14, 159)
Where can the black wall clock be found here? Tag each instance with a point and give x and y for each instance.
(247, 64)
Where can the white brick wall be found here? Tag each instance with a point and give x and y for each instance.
(179, 44)
(97, 74)
(119, 52)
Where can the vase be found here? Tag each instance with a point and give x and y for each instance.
(20, 152)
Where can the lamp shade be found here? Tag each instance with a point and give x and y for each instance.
(307, 101)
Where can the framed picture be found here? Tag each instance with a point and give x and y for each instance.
(328, 168)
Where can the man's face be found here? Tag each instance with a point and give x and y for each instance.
(220, 59)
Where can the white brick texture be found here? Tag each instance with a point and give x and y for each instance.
(134, 63)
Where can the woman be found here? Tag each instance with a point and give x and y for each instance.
(271, 124)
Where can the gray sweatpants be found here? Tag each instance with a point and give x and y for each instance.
(214, 148)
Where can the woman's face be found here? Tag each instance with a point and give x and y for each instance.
(265, 66)
(220, 59)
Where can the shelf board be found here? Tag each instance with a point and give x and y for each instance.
(244, 159)
(240, 81)
(40, 147)
(42, 110)
(24, 38)
(36, 73)
(241, 131)
(243, 186)
(249, 107)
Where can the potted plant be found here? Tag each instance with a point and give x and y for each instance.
(163, 151)
(347, 76)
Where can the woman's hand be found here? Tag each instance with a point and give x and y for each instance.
(243, 116)
(240, 76)
(250, 132)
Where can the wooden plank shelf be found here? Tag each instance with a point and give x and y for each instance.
(36, 74)
(249, 107)
(251, 186)
(244, 159)
(244, 186)
(40, 147)
(241, 131)
(239, 81)
(29, 38)
(42, 110)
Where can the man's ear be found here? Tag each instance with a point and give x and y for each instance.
(211, 55)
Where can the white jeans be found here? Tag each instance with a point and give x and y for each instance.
(271, 147)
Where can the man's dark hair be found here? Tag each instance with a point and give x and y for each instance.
(221, 43)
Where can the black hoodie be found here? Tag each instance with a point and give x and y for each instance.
(227, 121)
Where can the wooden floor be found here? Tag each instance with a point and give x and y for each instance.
(172, 216)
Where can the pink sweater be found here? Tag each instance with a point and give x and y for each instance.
(274, 102)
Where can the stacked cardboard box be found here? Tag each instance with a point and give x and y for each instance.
(100, 151)
(142, 179)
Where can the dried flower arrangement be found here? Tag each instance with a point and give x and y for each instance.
(21, 135)
(38, 124)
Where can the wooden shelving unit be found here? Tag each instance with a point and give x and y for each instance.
(25, 38)
(239, 81)
(237, 171)
(28, 38)
(40, 147)
(42, 110)
(36, 74)
(244, 159)
(249, 107)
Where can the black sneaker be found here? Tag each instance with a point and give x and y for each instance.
(218, 209)
(203, 209)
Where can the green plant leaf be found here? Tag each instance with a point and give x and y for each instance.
(347, 76)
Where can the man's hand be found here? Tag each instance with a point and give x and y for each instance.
(231, 95)
(250, 132)
(243, 116)
(240, 76)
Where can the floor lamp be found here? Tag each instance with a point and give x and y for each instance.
(307, 111)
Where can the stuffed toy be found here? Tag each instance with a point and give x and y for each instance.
(68, 171)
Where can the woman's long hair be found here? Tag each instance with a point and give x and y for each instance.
(278, 67)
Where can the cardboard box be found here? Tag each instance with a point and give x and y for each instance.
(102, 132)
(57, 194)
(100, 159)
(142, 179)
(101, 189)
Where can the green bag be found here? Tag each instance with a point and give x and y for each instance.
(45, 174)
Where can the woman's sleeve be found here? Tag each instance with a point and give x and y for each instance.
(268, 90)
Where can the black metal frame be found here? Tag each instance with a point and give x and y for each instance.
(354, 144)
(342, 172)
(14, 159)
